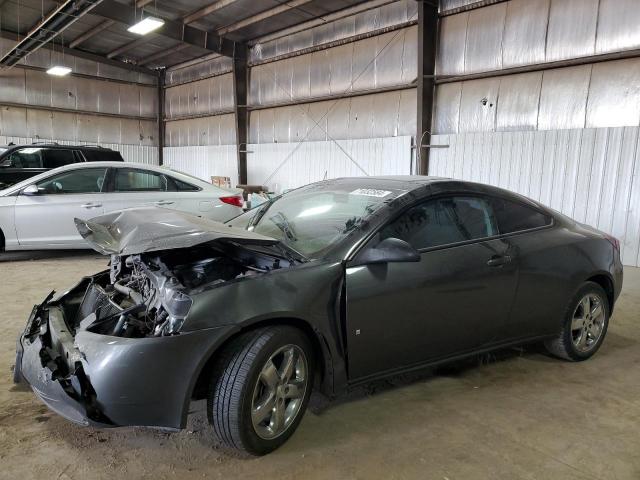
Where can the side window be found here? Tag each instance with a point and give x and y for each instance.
(515, 217)
(132, 180)
(86, 180)
(25, 158)
(184, 186)
(443, 221)
(103, 155)
(58, 157)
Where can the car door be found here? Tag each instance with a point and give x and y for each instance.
(455, 299)
(543, 289)
(47, 218)
(137, 187)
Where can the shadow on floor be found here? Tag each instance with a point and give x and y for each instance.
(318, 403)
(34, 255)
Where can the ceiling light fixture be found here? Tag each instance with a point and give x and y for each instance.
(59, 71)
(146, 25)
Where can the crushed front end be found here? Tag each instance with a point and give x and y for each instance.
(124, 346)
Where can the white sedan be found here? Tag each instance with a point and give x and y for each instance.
(39, 213)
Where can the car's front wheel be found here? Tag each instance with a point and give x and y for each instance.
(585, 324)
(261, 388)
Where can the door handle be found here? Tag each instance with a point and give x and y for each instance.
(498, 260)
(164, 202)
(91, 205)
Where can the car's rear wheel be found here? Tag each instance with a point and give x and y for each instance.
(261, 388)
(585, 325)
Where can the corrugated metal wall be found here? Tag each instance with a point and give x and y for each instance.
(204, 161)
(294, 99)
(280, 166)
(591, 175)
(98, 104)
(534, 32)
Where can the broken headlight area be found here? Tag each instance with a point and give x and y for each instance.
(151, 294)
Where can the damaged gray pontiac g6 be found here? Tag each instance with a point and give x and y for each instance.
(328, 286)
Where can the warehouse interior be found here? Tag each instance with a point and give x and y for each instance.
(540, 97)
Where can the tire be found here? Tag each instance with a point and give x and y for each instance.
(243, 382)
(577, 344)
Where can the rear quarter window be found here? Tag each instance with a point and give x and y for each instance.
(102, 156)
(184, 186)
(516, 217)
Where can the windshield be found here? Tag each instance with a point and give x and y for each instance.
(313, 218)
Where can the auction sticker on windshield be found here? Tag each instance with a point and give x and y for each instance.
(370, 192)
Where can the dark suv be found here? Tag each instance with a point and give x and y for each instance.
(19, 162)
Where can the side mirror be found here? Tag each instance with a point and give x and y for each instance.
(387, 251)
(31, 190)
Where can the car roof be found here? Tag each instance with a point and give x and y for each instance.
(56, 145)
(154, 168)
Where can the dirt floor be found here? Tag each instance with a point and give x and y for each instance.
(514, 415)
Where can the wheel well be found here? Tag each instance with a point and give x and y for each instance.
(202, 383)
(607, 285)
(1, 241)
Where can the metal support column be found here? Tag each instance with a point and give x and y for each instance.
(161, 124)
(427, 41)
(240, 89)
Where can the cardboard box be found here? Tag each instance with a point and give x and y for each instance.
(224, 182)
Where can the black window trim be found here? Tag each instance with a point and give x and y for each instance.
(462, 193)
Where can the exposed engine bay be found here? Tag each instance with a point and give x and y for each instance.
(149, 294)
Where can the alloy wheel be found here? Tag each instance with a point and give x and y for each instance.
(587, 323)
(279, 392)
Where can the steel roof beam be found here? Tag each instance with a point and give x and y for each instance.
(48, 29)
(90, 33)
(161, 54)
(207, 10)
(174, 29)
(272, 12)
(85, 55)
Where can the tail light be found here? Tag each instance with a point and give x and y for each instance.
(235, 200)
(613, 241)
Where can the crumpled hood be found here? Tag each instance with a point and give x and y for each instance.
(138, 230)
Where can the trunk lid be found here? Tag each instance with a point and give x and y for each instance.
(138, 230)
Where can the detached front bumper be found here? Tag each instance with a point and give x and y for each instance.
(107, 381)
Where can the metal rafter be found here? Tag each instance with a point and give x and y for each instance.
(48, 29)
(83, 54)
(162, 53)
(174, 29)
(129, 46)
(207, 10)
(272, 12)
(90, 33)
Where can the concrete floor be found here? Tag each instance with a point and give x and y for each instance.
(512, 415)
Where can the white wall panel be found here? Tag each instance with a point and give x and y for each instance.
(376, 115)
(591, 175)
(280, 166)
(384, 60)
(204, 161)
(525, 32)
(605, 94)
